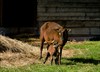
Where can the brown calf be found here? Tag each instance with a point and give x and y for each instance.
(53, 52)
(50, 31)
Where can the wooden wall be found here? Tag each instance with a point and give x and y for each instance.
(82, 16)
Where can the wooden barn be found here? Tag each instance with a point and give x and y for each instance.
(81, 16)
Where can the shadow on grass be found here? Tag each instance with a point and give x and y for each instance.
(73, 61)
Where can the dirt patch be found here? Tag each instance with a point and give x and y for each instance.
(68, 53)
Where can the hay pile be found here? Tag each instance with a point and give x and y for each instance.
(16, 53)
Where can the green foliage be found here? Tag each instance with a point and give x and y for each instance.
(86, 59)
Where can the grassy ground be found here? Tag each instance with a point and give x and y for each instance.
(82, 57)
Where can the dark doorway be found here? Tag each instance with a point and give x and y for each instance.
(19, 13)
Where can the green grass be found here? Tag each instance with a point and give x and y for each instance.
(86, 59)
(89, 49)
(78, 67)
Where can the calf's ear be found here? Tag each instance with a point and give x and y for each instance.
(55, 46)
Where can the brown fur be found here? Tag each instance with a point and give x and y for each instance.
(50, 31)
(53, 52)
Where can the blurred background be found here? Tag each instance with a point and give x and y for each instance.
(26, 17)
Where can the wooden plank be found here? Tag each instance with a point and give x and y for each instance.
(65, 9)
(73, 1)
(51, 10)
(93, 24)
(79, 38)
(93, 14)
(71, 6)
(45, 18)
(41, 9)
(61, 14)
(85, 24)
(81, 31)
(95, 31)
(85, 31)
(64, 4)
(78, 1)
